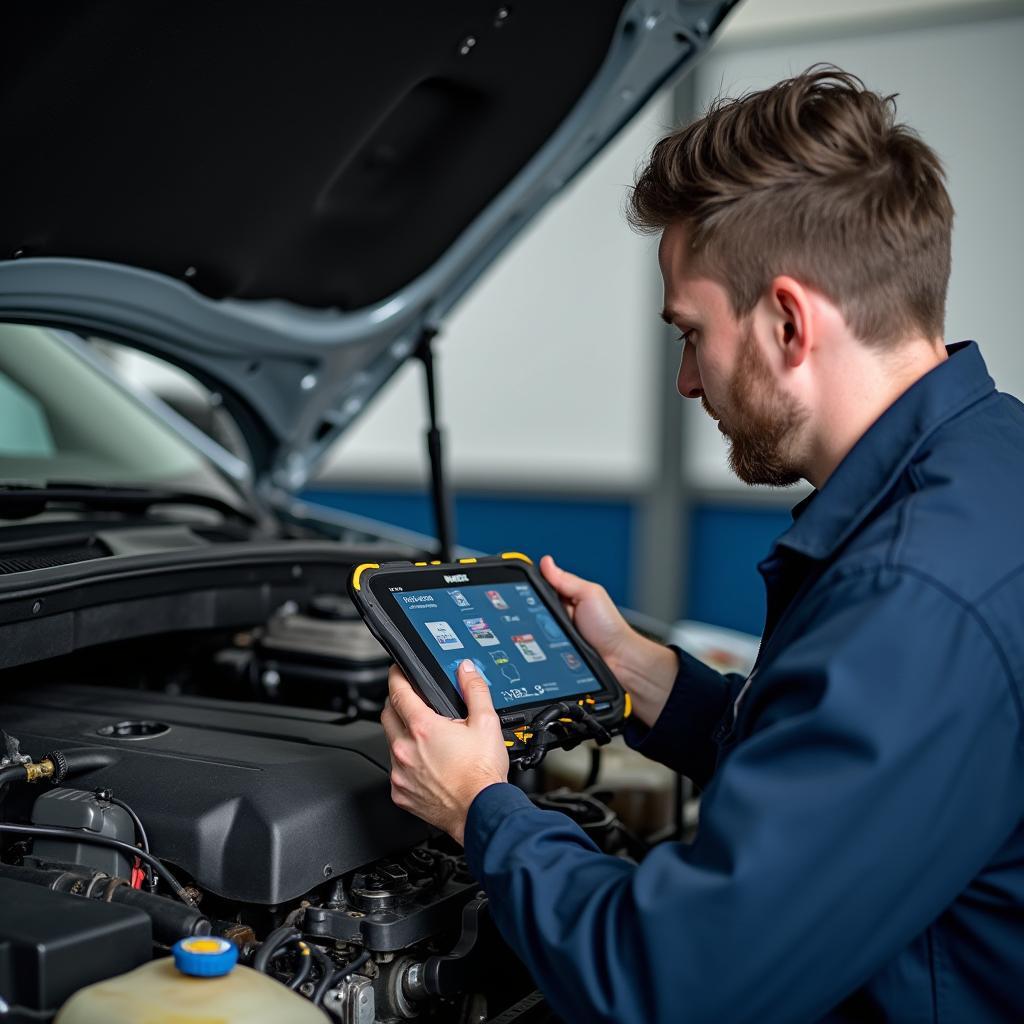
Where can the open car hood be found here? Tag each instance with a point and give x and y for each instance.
(283, 198)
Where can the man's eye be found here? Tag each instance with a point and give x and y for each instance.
(687, 336)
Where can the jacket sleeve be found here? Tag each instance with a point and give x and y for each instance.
(868, 750)
(683, 735)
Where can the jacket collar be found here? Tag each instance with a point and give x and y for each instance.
(825, 519)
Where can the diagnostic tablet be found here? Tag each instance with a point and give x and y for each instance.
(501, 614)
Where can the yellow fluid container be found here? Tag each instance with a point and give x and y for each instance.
(158, 993)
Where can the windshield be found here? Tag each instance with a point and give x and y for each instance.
(63, 420)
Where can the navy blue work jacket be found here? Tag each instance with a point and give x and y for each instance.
(860, 854)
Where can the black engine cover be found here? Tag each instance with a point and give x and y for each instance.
(258, 803)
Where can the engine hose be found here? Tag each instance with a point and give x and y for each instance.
(57, 879)
(84, 836)
(339, 976)
(12, 773)
(171, 921)
(65, 762)
(86, 759)
(327, 969)
(335, 978)
(305, 966)
(274, 943)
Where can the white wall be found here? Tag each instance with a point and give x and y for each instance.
(755, 20)
(961, 85)
(563, 329)
(545, 366)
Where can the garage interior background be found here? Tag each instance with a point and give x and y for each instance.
(564, 431)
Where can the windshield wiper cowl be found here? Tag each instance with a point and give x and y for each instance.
(19, 501)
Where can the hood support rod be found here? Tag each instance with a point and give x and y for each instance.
(444, 512)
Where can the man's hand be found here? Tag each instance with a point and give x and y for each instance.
(646, 669)
(439, 765)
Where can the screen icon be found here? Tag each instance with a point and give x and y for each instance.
(459, 598)
(529, 648)
(574, 661)
(453, 671)
(481, 632)
(445, 636)
(497, 600)
(505, 666)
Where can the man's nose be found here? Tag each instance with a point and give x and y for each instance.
(688, 382)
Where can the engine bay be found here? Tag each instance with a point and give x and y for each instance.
(232, 781)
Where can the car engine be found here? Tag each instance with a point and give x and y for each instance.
(248, 766)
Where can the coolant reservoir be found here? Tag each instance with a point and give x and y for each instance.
(201, 984)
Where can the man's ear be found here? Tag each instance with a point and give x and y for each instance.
(790, 309)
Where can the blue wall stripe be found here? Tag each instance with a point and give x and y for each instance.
(594, 537)
(726, 543)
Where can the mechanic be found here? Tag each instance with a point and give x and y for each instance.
(860, 854)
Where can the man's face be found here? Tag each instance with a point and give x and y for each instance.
(724, 364)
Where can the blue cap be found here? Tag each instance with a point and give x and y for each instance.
(204, 956)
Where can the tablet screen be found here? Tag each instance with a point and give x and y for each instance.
(508, 632)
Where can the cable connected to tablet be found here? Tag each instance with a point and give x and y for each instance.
(572, 719)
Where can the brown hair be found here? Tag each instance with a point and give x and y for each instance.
(813, 178)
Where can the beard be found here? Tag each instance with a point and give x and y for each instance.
(761, 422)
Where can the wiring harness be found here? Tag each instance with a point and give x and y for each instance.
(563, 723)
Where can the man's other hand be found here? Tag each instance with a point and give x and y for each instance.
(591, 609)
(439, 765)
(646, 669)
